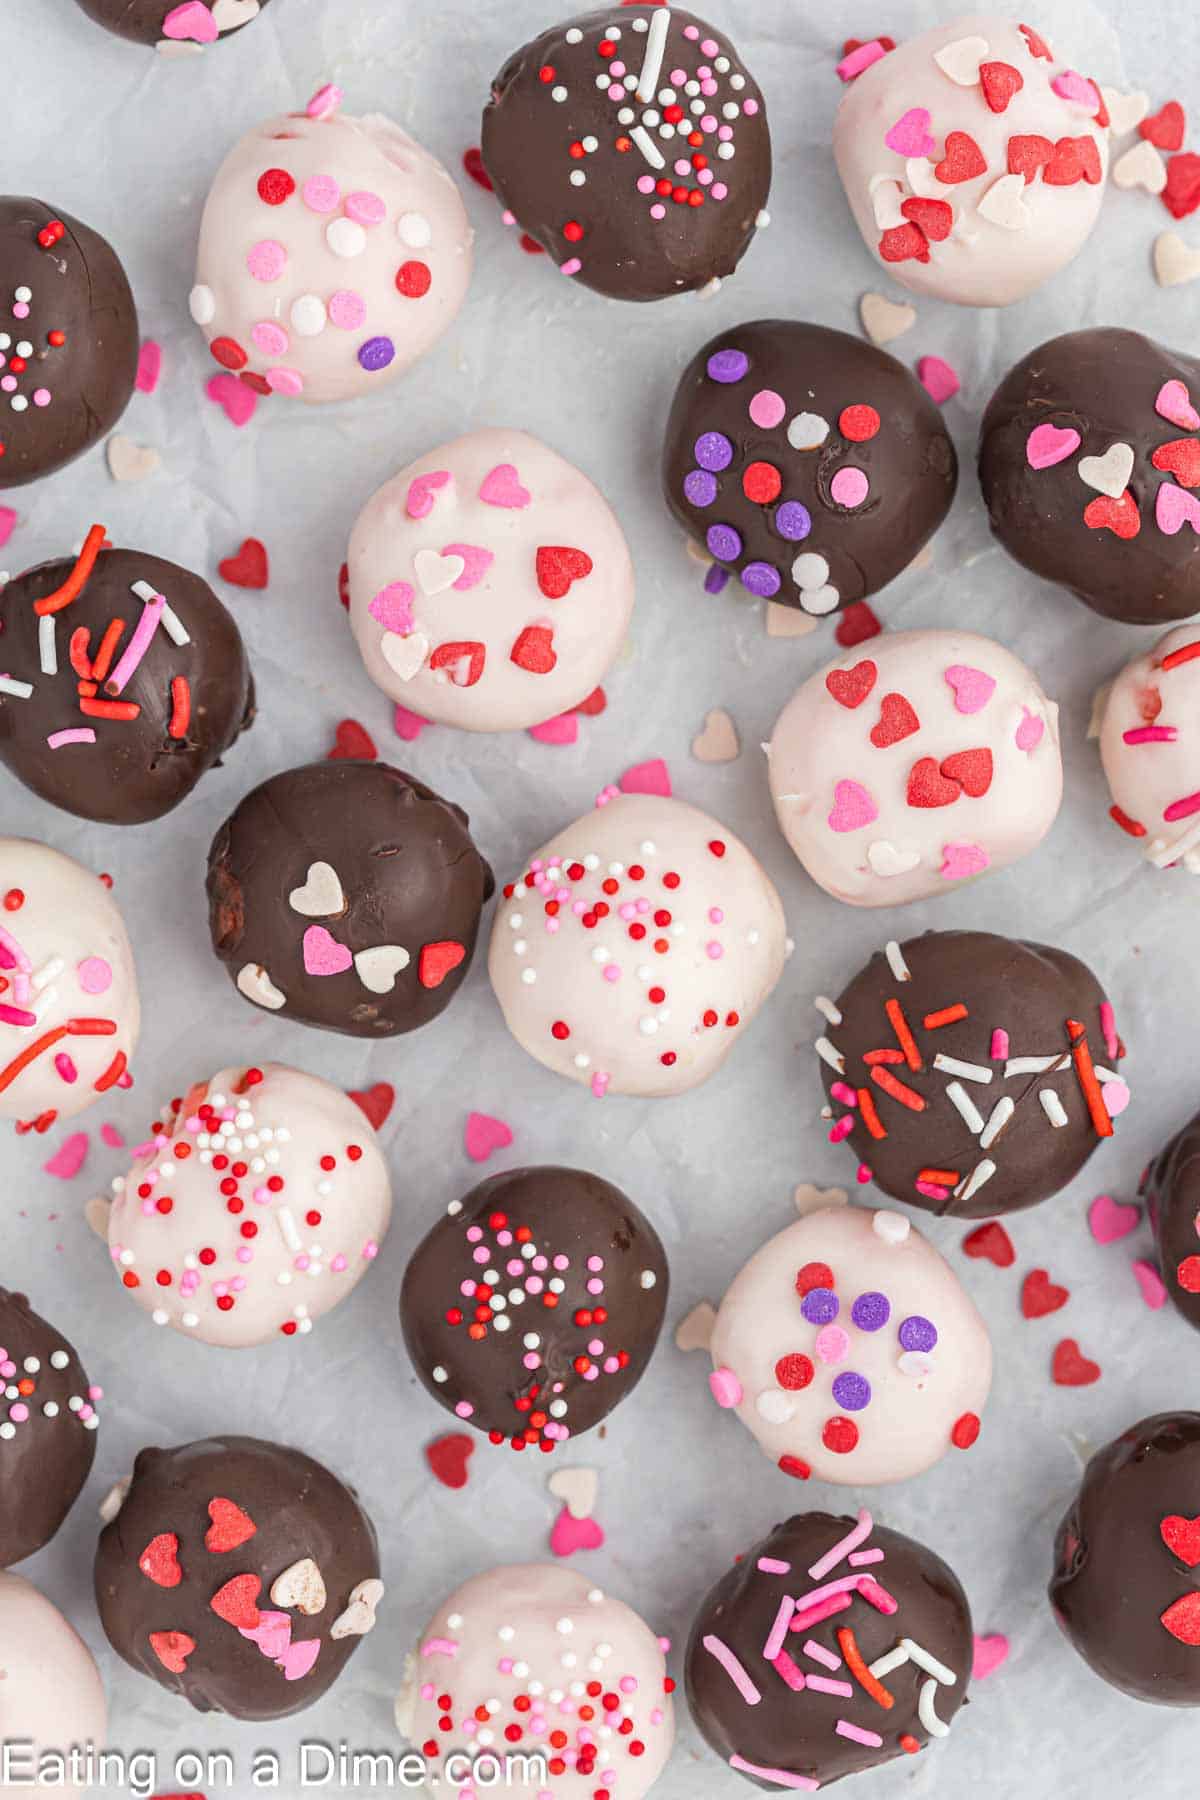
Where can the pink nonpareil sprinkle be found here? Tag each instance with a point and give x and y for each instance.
(149, 367)
(69, 1158)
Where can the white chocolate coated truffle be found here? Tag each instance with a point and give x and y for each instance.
(50, 1692)
(334, 252)
(490, 584)
(69, 1009)
(634, 949)
(867, 1378)
(1150, 748)
(915, 764)
(540, 1633)
(260, 1211)
(972, 160)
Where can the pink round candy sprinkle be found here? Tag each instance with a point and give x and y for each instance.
(719, 190)
(849, 487)
(710, 47)
(285, 381)
(269, 337)
(267, 260)
(21, 310)
(321, 193)
(832, 1345)
(18, 1413)
(9, 383)
(658, 212)
(767, 408)
(95, 975)
(366, 208)
(347, 309)
(41, 396)
(750, 107)
(645, 184)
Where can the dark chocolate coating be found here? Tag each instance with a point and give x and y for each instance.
(1171, 1187)
(299, 1509)
(570, 1214)
(795, 1732)
(80, 290)
(1027, 990)
(410, 875)
(909, 462)
(141, 21)
(136, 770)
(1115, 1574)
(46, 1461)
(533, 141)
(1102, 384)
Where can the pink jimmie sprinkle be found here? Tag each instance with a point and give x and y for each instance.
(66, 1068)
(1182, 809)
(1108, 1025)
(324, 102)
(931, 1190)
(858, 1534)
(821, 1684)
(871, 1739)
(876, 1596)
(788, 1671)
(16, 1015)
(823, 1609)
(842, 1129)
(600, 1084)
(782, 1778)
(1150, 1284)
(1151, 734)
(820, 1654)
(149, 366)
(999, 1045)
(846, 1096)
(722, 1654)
(770, 1565)
(778, 1631)
(859, 1559)
(860, 59)
(79, 735)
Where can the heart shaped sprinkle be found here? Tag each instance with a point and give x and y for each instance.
(1173, 403)
(972, 769)
(359, 1617)
(1040, 1295)
(850, 687)
(1109, 1221)
(237, 1602)
(194, 22)
(423, 492)
(1166, 128)
(991, 1653)
(853, 807)
(299, 1659)
(323, 955)
(887, 861)
(375, 1103)
(960, 60)
(962, 861)
(938, 377)
(463, 660)
(1182, 1538)
(439, 960)
(436, 571)
(963, 159)
(1108, 474)
(159, 1561)
(392, 607)
(897, 721)
(1118, 516)
(1003, 205)
(1180, 458)
(1028, 154)
(501, 486)
(557, 566)
(248, 567)
(406, 655)
(569, 1534)
(449, 1456)
(475, 560)
(254, 982)
(972, 688)
(172, 1649)
(352, 741)
(910, 135)
(230, 1527)
(928, 787)
(237, 401)
(718, 741)
(1071, 1368)
(301, 1588)
(483, 1136)
(1173, 509)
(990, 1243)
(650, 777)
(321, 897)
(534, 650)
(1000, 82)
(1182, 1619)
(1047, 445)
(1030, 731)
(1151, 1285)
(378, 967)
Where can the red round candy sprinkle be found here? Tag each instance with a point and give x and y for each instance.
(966, 1431)
(228, 353)
(275, 186)
(794, 1371)
(1188, 1274)
(14, 900)
(814, 1275)
(858, 423)
(763, 483)
(413, 279)
(840, 1435)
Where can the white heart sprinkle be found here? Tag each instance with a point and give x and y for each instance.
(1174, 261)
(1002, 204)
(694, 1332)
(961, 59)
(230, 15)
(809, 1199)
(379, 966)
(1124, 110)
(302, 1587)
(807, 431)
(256, 984)
(887, 196)
(718, 742)
(887, 860)
(576, 1488)
(128, 461)
(1108, 474)
(322, 894)
(884, 320)
(435, 572)
(406, 655)
(359, 1616)
(1142, 166)
(919, 173)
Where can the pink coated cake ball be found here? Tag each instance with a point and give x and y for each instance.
(51, 1696)
(334, 252)
(1148, 724)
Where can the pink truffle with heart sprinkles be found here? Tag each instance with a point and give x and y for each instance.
(634, 949)
(334, 252)
(1150, 748)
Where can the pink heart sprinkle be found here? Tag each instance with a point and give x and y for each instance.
(651, 777)
(1174, 403)
(1116, 1096)
(483, 1136)
(8, 520)
(853, 807)
(910, 135)
(501, 486)
(972, 688)
(113, 1136)
(69, 1158)
(272, 1634)
(1109, 1220)
(392, 607)
(409, 725)
(561, 730)
(569, 1534)
(1030, 731)
(236, 399)
(1151, 1283)
(1174, 508)
(422, 492)
(961, 861)
(191, 20)
(1070, 85)
(476, 563)
(149, 366)
(323, 955)
(298, 1659)
(939, 378)
(991, 1653)
(1049, 444)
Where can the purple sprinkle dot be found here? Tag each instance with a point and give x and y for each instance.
(728, 366)
(793, 521)
(917, 1333)
(851, 1392)
(820, 1306)
(716, 579)
(376, 353)
(871, 1312)
(724, 543)
(699, 487)
(761, 579)
(713, 450)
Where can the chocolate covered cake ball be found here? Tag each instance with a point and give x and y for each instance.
(195, 23)
(902, 774)
(1149, 731)
(68, 339)
(1171, 1186)
(557, 1669)
(636, 946)
(1126, 1581)
(969, 1073)
(69, 1008)
(973, 158)
(238, 1574)
(490, 584)
(347, 895)
(48, 1421)
(51, 1695)
(850, 1351)
(833, 1646)
(533, 1306)
(810, 464)
(334, 252)
(633, 145)
(125, 681)
(1089, 457)
(257, 1203)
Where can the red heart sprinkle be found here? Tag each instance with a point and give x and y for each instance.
(1180, 458)
(1181, 195)
(249, 568)
(796, 1467)
(963, 159)
(472, 162)
(850, 687)
(439, 960)
(1119, 516)
(934, 217)
(353, 741)
(1037, 43)
(972, 769)
(928, 787)
(904, 243)
(1075, 159)
(375, 1103)
(1167, 128)
(990, 1243)
(448, 1458)
(594, 705)
(159, 1561)
(1182, 1537)
(534, 650)
(856, 624)
(237, 1602)
(966, 1431)
(1027, 153)
(1040, 1295)
(172, 1649)
(558, 566)
(1071, 1368)
(472, 653)
(1000, 81)
(230, 1526)
(344, 585)
(1182, 1619)
(897, 720)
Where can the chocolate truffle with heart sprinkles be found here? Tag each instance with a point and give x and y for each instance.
(125, 681)
(533, 1307)
(68, 339)
(1126, 1581)
(832, 1646)
(48, 1421)
(1090, 463)
(168, 25)
(238, 1574)
(807, 463)
(1171, 1188)
(971, 1074)
(347, 895)
(633, 146)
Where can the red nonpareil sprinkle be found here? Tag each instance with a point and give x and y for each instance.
(860, 423)
(909, 1744)
(228, 353)
(275, 186)
(949, 1015)
(897, 1089)
(762, 483)
(413, 279)
(77, 580)
(1134, 827)
(51, 234)
(966, 1431)
(871, 1119)
(904, 1036)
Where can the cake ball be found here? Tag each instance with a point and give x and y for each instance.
(69, 1008)
(194, 23)
(808, 463)
(868, 755)
(633, 146)
(1125, 1587)
(68, 339)
(257, 1203)
(238, 1574)
(533, 1306)
(48, 1421)
(850, 1351)
(490, 584)
(1151, 759)
(334, 252)
(973, 158)
(1171, 1186)
(636, 947)
(51, 1695)
(833, 1646)
(522, 1644)
(347, 895)
(1089, 458)
(942, 1051)
(117, 722)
